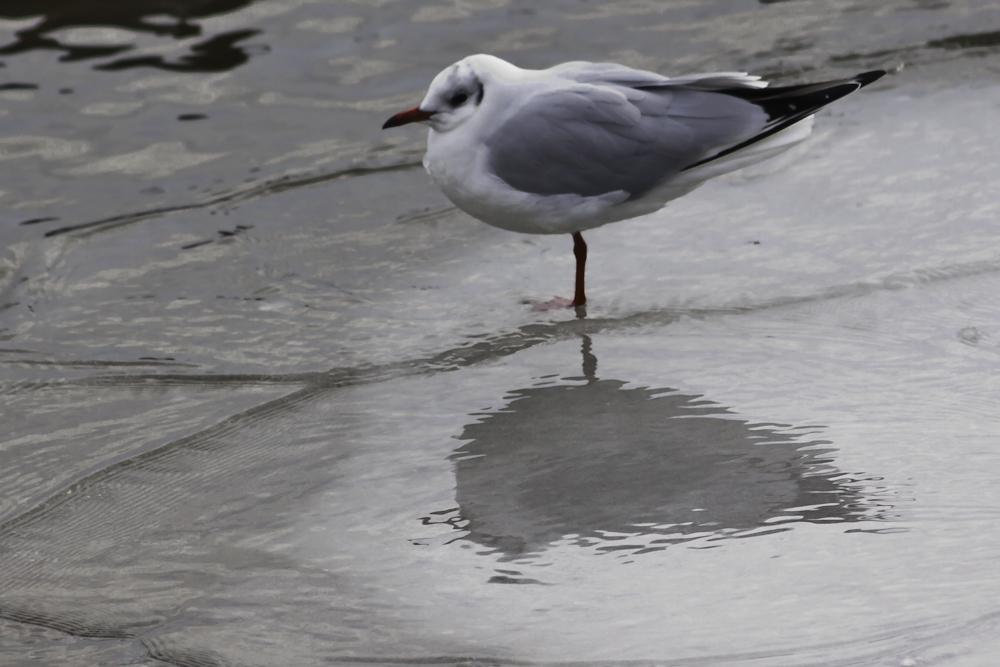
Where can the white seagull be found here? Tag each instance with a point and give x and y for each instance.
(579, 145)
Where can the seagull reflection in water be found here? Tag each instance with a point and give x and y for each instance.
(638, 469)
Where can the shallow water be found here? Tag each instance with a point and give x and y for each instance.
(269, 399)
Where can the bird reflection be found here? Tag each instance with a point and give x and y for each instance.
(216, 54)
(611, 467)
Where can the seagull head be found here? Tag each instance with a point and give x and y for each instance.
(455, 94)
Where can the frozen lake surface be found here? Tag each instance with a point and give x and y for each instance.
(268, 399)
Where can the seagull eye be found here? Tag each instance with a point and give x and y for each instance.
(458, 99)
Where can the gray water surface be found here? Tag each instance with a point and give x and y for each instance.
(269, 399)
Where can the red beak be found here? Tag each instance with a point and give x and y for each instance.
(414, 115)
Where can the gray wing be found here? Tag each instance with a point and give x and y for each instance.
(613, 73)
(591, 139)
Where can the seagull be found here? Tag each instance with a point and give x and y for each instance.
(581, 144)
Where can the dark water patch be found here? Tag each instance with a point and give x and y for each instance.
(874, 56)
(973, 41)
(223, 234)
(75, 53)
(926, 5)
(18, 86)
(192, 116)
(139, 16)
(35, 221)
(218, 54)
(504, 579)
(35, 42)
(130, 14)
(239, 229)
(788, 45)
(984, 40)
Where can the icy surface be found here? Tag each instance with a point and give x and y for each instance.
(269, 399)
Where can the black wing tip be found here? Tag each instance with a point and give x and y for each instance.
(774, 102)
(866, 78)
